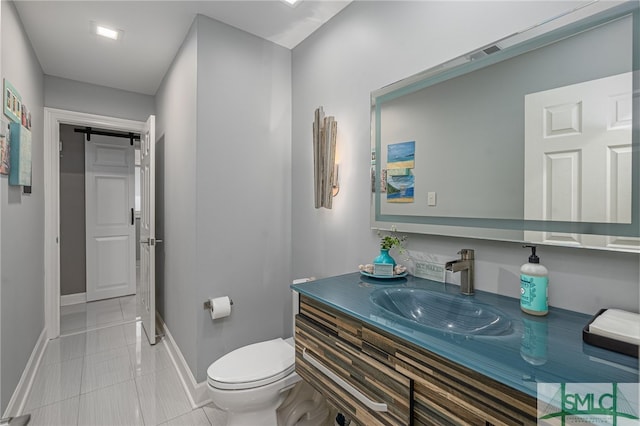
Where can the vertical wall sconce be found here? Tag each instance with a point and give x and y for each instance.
(325, 169)
(335, 185)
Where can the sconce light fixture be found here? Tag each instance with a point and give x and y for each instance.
(325, 169)
(335, 185)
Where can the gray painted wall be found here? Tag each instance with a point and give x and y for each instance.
(73, 95)
(226, 190)
(370, 45)
(72, 218)
(22, 244)
(243, 198)
(176, 128)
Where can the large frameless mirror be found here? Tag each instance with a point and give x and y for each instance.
(531, 138)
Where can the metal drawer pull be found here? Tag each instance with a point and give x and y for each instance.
(375, 406)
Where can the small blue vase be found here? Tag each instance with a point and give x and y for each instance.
(384, 258)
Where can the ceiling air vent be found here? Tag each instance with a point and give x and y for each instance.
(491, 49)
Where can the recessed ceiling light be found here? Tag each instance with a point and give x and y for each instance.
(292, 3)
(106, 32)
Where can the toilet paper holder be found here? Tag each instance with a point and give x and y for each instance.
(207, 304)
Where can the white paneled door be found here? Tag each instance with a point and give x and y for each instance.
(110, 230)
(578, 159)
(146, 291)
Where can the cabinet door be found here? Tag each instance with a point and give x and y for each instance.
(364, 389)
(446, 393)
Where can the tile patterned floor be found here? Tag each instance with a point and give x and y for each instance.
(87, 316)
(102, 371)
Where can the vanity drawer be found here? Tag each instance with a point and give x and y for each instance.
(364, 389)
(446, 393)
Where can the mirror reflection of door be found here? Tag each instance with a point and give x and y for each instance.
(578, 159)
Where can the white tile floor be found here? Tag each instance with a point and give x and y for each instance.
(87, 316)
(102, 371)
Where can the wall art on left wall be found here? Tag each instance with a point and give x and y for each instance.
(12, 102)
(20, 173)
(5, 160)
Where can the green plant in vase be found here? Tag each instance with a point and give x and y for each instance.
(388, 242)
(384, 262)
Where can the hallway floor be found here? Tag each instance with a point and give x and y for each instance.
(102, 371)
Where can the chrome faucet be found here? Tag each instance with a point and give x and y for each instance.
(464, 265)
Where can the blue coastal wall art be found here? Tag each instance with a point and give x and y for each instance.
(401, 155)
(400, 178)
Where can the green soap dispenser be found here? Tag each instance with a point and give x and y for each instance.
(534, 286)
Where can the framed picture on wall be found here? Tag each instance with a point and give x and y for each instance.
(20, 172)
(12, 102)
(5, 160)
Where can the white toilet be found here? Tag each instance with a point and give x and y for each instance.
(250, 382)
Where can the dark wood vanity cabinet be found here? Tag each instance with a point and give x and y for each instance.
(329, 356)
(375, 378)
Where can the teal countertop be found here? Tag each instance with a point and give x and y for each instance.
(540, 349)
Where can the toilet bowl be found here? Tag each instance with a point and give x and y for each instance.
(250, 382)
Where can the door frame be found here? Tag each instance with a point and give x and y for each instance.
(53, 118)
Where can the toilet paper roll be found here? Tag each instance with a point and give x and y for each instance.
(220, 307)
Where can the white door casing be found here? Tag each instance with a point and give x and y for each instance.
(578, 159)
(110, 226)
(146, 306)
(53, 118)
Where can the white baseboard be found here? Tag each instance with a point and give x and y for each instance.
(18, 400)
(197, 392)
(73, 299)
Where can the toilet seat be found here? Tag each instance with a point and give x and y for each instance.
(252, 366)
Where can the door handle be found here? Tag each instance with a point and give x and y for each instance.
(373, 405)
(132, 216)
(151, 241)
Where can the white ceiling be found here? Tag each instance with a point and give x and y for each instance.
(153, 31)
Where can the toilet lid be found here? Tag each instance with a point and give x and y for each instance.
(254, 365)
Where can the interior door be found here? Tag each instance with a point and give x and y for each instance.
(146, 306)
(110, 230)
(578, 159)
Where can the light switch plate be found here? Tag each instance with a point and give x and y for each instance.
(431, 198)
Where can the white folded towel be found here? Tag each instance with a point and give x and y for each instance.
(618, 325)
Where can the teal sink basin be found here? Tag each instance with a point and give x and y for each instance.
(456, 314)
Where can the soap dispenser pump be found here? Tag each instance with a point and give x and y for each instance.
(534, 286)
